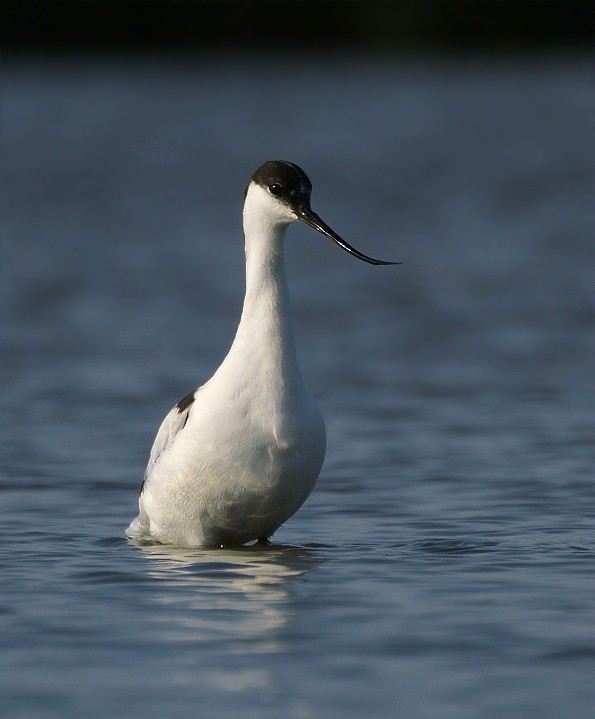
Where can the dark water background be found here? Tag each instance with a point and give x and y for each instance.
(443, 567)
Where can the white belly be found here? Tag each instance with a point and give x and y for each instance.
(233, 476)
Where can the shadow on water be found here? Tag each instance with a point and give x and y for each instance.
(242, 594)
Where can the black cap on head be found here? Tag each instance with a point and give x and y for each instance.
(283, 179)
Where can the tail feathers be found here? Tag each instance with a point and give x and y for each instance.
(139, 528)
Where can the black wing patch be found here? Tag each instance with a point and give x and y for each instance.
(183, 405)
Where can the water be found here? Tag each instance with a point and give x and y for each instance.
(443, 566)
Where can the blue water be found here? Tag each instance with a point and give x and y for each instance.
(443, 566)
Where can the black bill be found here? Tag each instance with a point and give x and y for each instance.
(310, 218)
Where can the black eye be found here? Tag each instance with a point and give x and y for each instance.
(275, 189)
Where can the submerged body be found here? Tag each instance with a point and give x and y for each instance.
(237, 457)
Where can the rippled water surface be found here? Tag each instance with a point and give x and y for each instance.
(443, 567)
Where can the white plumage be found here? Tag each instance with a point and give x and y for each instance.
(236, 458)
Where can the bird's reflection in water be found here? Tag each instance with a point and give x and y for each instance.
(235, 596)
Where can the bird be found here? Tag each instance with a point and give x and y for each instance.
(235, 458)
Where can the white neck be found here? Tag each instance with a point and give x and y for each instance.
(264, 342)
